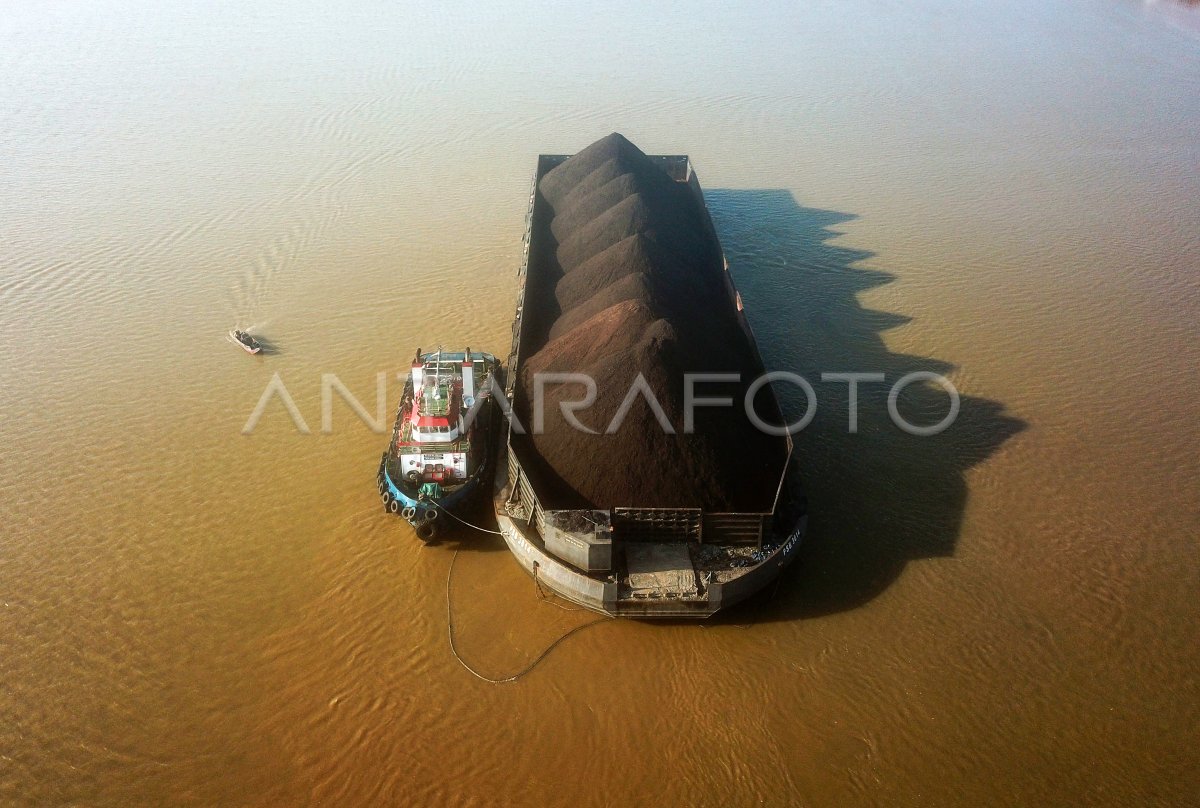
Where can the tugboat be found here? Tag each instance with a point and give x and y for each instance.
(443, 443)
(248, 343)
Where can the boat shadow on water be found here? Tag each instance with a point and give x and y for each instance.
(477, 532)
(269, 348)
(879, 498)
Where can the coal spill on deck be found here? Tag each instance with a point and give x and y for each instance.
(627, 277)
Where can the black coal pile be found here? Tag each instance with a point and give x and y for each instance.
(631, 283)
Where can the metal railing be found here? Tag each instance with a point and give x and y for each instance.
(658, 524)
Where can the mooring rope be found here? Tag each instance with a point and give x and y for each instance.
(464, 521)
(527, 668)
(544, 598)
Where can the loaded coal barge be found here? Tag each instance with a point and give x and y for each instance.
(651, 500)
(442, 450)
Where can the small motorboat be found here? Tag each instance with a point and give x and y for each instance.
(243, 338)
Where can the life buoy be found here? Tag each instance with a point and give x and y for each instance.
(393, 507)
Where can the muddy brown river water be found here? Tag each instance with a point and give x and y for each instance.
(1005, 193)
